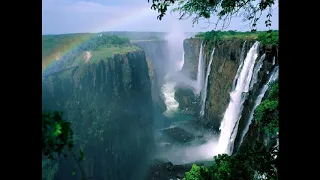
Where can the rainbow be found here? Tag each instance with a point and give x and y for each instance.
(133, 15)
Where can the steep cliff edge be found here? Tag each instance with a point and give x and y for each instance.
(226, 60)
(110, 106)
(223, 70)
(157, 56)
(157, 52)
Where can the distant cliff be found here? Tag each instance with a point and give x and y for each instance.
(110, 106)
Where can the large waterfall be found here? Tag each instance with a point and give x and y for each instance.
(200, 73)
(237, 97)
(204, 93)
(256, 71)
(273, 76)
(243, 50)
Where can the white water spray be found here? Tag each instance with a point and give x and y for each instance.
(237, 96)
(256, 71)
(273, 60)
(204, 93)
(273, 76)
(173, 65)
(240, 66)
(168, 92)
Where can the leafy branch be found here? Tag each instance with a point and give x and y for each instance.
(57, 135)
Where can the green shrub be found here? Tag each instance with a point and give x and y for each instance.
(269, 38)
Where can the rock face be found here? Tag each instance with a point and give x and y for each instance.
(191, 48)
(110, 106)
(224, 67)
(188, 101)
(157, 57)
(226, 60)
(166, 170)
(223, 70)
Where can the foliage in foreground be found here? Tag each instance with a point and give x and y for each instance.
(224, 10)
(56, 135)
(57, 140)
(253, 160)
(267, 113)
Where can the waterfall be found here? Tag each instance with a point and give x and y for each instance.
(256, 71)
(200, 73)
(182, 62)
(273, 60)
(273, 76)
(237, 97)
(204, 93)
(240, 66)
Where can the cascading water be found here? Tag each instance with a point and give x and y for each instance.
(168, 93)
(273, 76)
(256, 71)
(204, 93)
(173, 64)
(181, 63)
(240, 66)
(273, 60)
(237, 96)
(200, 73)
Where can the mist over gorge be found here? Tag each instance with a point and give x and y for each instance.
(160, 104)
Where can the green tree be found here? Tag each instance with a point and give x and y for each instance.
(225, 10)
(57, 139)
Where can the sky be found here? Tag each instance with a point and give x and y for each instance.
(79, 16)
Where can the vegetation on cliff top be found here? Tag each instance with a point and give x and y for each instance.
(253, 160)
(74, 49)
(265, 38)
(136, 35)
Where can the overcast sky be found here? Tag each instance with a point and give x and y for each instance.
(72, 16)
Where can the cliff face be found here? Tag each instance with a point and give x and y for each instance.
(157, 56)
(157, 52)
(226, 60)
(223, 70)
(188, 101)
(110, 106)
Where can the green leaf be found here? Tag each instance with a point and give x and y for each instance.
(57, 131)
(81, 155)
(74, 172)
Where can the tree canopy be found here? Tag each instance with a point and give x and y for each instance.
(225, 10)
